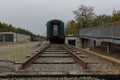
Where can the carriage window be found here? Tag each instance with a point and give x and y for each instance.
(55, 30)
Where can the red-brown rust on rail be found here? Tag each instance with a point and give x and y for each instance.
(80, 61)
(32, 58)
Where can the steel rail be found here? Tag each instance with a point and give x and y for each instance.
(32, 58)
(79, 60)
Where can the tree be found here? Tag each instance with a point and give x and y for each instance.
(10, 28)
(102, 19)
(84, 15)
(71, 27)
(1, 27)
(116, 16)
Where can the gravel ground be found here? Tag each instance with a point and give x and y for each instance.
(15, 53)
(55, 54)
(93, 62)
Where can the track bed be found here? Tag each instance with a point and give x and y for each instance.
(64, 62)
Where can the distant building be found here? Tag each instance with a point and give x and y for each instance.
(13, 37)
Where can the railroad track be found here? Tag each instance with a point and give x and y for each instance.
(64, 62)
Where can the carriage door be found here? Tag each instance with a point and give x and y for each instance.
(55, 30)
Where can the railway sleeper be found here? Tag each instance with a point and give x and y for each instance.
(54, 56)
(53, 62)
(59, 76)
(55, 52)
(6, 68)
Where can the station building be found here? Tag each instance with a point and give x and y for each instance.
(72, 39)
(79, 42)
(13, 37)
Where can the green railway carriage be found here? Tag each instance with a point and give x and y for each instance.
(55, 31)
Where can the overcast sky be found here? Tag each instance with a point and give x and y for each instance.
(34, 14)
